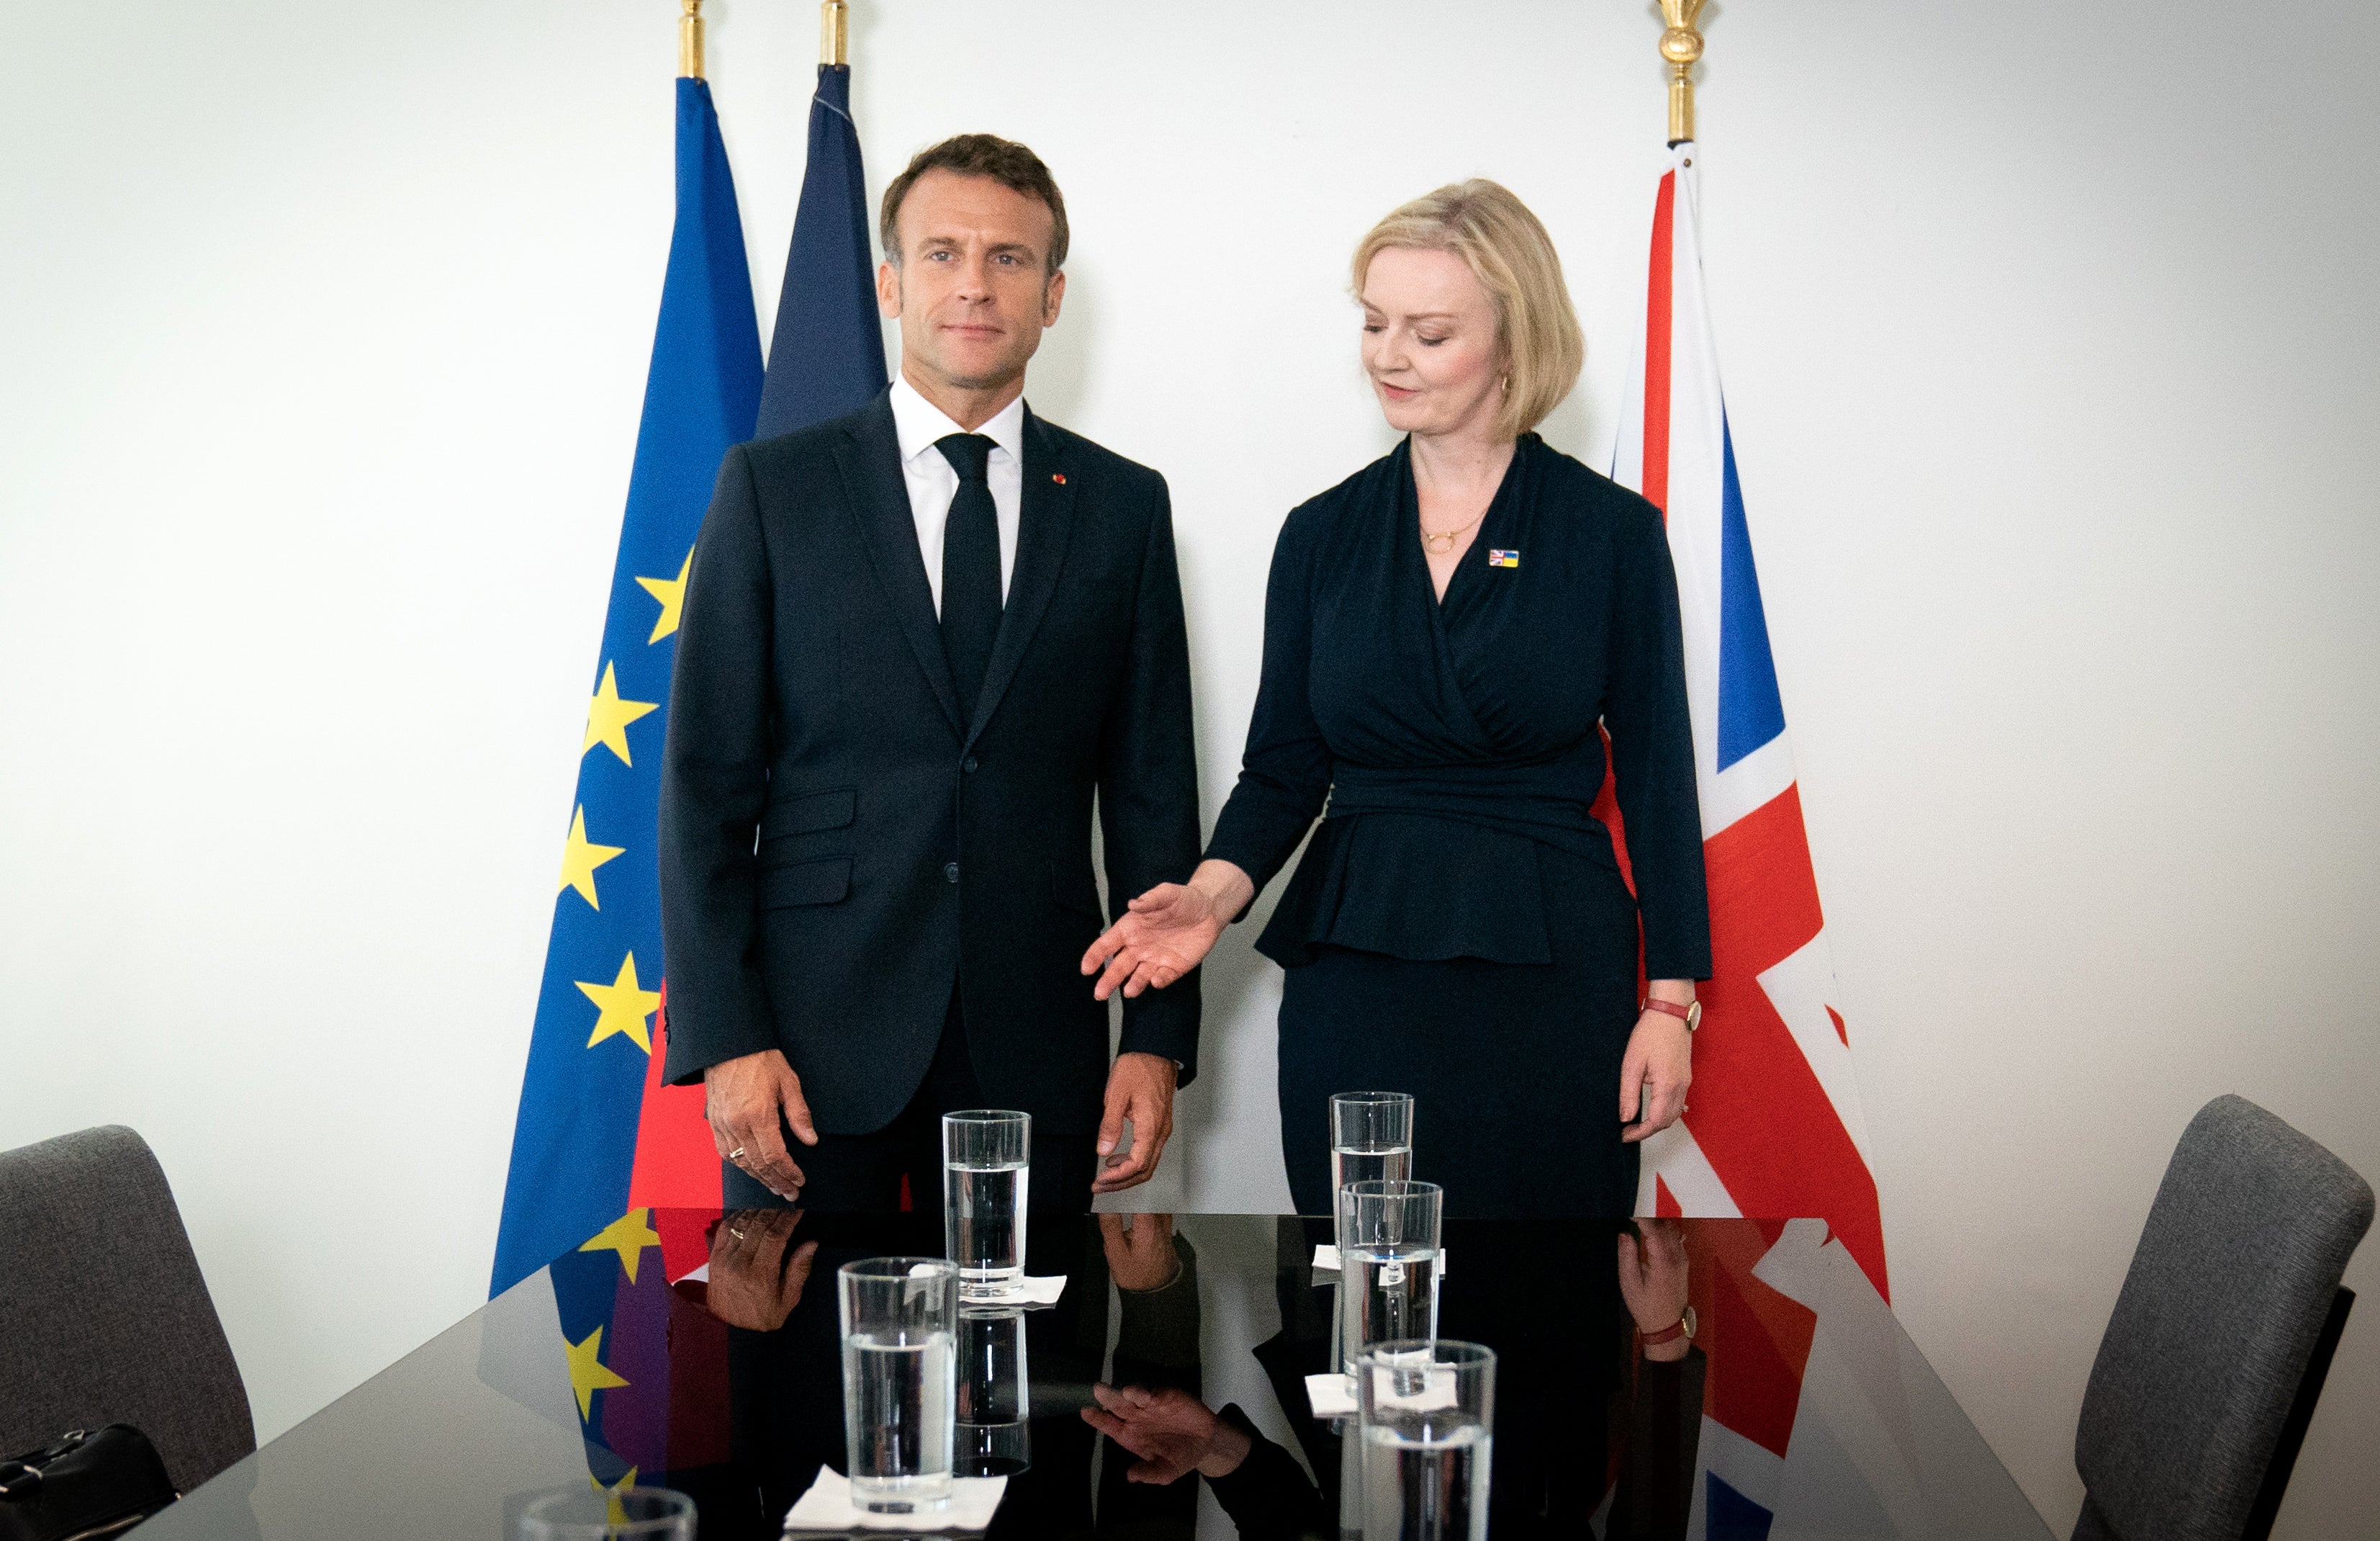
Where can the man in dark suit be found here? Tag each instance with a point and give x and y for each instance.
(916, 641)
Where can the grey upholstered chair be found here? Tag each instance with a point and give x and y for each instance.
(105, 1317)
(2210, 1366)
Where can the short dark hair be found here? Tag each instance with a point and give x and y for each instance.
(1005, 161)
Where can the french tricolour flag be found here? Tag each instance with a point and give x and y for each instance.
(1773, 1129)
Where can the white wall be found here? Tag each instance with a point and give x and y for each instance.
(2048, 332)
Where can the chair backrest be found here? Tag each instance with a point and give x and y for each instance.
(105, 1316)
(2230, 1289)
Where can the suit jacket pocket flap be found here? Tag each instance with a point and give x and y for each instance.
(805, 883)
(809, 812)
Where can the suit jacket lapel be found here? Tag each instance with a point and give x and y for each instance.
(1045, 519)
(871, 459)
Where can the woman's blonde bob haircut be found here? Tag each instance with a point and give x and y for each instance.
(1538, 337)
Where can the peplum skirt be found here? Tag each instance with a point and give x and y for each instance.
(1514, 1066)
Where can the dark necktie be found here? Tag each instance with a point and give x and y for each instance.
(970, 567)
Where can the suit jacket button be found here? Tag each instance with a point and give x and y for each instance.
(967, 764)
(951, 872)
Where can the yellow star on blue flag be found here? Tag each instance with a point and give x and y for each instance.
(630, 1236)
(589, 1373)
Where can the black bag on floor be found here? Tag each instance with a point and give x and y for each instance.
(84, 1486)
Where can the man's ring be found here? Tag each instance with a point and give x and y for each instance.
(736, 1154)
(737, 1234)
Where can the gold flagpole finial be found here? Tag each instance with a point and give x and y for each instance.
(1681, 45)
(689, 40)
(835, 32)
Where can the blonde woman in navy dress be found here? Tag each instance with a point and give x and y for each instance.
(1450, 634)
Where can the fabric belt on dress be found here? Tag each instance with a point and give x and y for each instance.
(1521, 800)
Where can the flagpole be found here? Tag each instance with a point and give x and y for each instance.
(689, 41)
(1681, 44)
(835, 32)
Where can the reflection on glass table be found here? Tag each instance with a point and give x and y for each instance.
(995, 1430)
(1164, 1394)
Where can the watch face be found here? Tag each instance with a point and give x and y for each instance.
(1689, 1320)
(1693, 1015)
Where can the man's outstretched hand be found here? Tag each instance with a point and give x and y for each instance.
(745, 1099)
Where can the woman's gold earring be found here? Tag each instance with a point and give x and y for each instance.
(1505, 385)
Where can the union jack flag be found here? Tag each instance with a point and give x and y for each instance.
(1774, 1126)
(1820, 1417)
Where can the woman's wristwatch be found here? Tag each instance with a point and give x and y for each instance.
(1690, 1013)
(1682, 1327)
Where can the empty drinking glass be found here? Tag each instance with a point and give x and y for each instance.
(1371, 1138)
(900, 1317)
(1425, 1422)
(588, 1513)
(987, 1166)
(995, 1396)
(1388, 1264)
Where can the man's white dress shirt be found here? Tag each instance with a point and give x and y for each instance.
(932, 481)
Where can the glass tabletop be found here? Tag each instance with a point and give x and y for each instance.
(700, 1352)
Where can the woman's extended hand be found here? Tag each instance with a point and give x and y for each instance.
(1170, 1430)
(1166, 932)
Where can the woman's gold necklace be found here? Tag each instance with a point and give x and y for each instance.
(1429, 538)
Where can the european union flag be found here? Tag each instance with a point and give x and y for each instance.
(647, 1362)
(591, 1082)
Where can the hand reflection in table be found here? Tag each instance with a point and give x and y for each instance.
(756, 1280)
(1554, 1417)
(1584, 1417)
(773, 1282)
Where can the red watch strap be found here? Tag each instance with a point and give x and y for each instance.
(1669, 1008)
(1675, 1330)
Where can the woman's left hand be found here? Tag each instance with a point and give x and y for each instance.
(1658, 1069)
(1653, 1280)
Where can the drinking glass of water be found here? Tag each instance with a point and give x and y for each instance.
(986, 1164)
(900, 1319)
(995, 1394)
(1388, 1264)
(1371, 1138)
(588, 1513)
(1425, 1426)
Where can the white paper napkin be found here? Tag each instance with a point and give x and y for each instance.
(828, 1506)
(1326, 1257)
(1424, 1388)
(1332, 1396)
(1028, 1291)
(1036, 1291)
